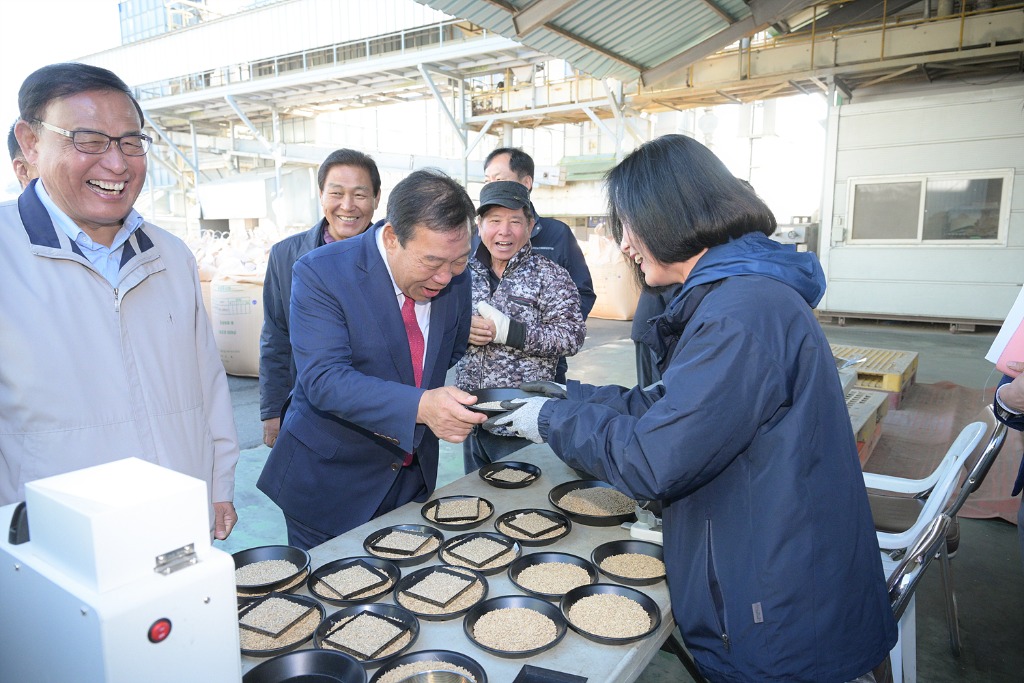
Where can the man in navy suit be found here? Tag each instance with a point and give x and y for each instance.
(360, 436)
(1009, 409)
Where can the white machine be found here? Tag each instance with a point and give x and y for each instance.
(118, 582)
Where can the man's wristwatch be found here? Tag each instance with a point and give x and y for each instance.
(1001, 411)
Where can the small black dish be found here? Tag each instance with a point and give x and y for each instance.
(487, 471)
(486, 509)
(400, 560)
(274, 651)
(515, 601)
(555, 495)
(523, 539)
(534, 559)
(444, 553)
(321, 666)
(393, 613)
(577, 594)
(495, 395)
(420, 574)
(538, 674)
(386, 566)
(612, 548)
(440, 656)
(297, 556)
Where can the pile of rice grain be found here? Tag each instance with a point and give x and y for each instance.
(610, 616)
(597, 502)
(634, 566)
(514, 629)
(400, 673)
(553, 578)
(263, 572)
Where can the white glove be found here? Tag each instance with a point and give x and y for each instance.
(522, 418)
(501, 321)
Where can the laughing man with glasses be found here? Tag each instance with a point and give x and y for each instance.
(107, 349)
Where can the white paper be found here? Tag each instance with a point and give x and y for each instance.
(1013, 320)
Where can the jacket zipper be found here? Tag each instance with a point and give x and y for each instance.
(716, 591)
(117, 301)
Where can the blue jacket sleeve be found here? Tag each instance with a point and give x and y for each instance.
(713, 403)
(276, 379)
(321, 340)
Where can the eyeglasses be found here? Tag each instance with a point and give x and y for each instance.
(95, 142)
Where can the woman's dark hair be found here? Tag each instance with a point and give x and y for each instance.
(430, 198)
(678, 198)
(57, 81)
(349, 157)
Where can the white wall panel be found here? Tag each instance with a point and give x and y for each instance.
(260, 33)
(940, 132)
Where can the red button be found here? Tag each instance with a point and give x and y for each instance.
(160, 629)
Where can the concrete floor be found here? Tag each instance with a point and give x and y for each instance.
(987, 570)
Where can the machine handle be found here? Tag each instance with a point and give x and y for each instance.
(18, 533)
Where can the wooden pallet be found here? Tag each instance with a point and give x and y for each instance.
(885, 370)
(867, 409)
(866, 448)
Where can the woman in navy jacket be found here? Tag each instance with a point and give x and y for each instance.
(773, 563)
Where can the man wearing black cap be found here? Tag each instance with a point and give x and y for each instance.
(529, 312)
(549, 237)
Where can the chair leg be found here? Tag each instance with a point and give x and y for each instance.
(950, 596)
(675, 647)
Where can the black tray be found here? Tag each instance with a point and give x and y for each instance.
(323, 666)
(517, 550)
(392, 612)
(302, 599)
(411, 528)
(544, 558)
(512, 465)
(534, 541)
(507, 601)
(419, 574)
(606, 550)
(492, 394)
(555, 495)
(296, 556)
(457, 525)
(456, 658)
(576, 594)
(386, 566)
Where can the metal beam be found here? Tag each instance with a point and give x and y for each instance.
(537, 14)
(441, 103)
(173, 147)
(245, 119)
(713, 6)
(762, 14)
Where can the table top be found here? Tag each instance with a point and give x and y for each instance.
(575, 654)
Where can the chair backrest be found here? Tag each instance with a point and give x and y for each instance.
(904, 579)
(962, 447)
(979, 462)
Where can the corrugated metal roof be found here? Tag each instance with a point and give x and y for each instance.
(625, 38)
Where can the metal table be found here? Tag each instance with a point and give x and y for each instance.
(574, 654)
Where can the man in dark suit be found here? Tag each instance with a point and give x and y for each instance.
(376, 322)
(1009, 409)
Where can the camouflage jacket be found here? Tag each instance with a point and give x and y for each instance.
(547, 321)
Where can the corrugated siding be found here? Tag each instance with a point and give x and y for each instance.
(646, 33)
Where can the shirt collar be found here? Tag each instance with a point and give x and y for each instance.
(379, 237)
(60, 219)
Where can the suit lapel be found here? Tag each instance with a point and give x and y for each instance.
(380, 292)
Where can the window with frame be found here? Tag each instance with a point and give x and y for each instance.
(931, 209)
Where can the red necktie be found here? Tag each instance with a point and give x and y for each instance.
(416, 348)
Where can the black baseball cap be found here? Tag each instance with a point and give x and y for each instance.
(507, 193)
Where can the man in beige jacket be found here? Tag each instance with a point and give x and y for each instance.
(105, 348)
